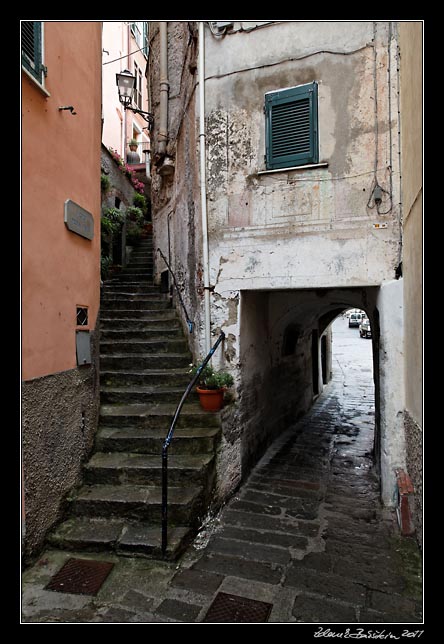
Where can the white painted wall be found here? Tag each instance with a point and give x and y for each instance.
(391, 373)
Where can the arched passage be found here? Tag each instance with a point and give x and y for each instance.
(278, 386)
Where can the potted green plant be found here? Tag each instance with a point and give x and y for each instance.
(133, 145)
(211, 386)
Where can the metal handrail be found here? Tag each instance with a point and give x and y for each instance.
(169, 438)
(189, 322)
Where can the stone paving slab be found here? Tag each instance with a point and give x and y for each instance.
(309, 608)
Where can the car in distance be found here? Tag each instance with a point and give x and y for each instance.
(354, 319)
(365, 329)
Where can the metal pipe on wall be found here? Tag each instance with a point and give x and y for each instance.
(203, 187)
(162, 136)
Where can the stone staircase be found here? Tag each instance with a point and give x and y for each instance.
(144, 370)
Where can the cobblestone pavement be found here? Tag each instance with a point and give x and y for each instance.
(305, 535)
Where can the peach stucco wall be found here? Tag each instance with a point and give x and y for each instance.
(60, 160)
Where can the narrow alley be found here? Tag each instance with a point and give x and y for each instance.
(305, 538)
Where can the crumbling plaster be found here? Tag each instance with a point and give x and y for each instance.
(59, 417)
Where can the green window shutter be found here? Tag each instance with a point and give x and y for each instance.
(145, 39)
(31, 36)
(291, 121)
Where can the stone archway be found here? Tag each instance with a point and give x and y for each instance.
(276, 386)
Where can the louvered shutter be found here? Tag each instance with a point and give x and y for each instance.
(31, 33)
(291, 117)
(145, 39)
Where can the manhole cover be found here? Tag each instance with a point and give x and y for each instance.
(80, 576)
(232, 608)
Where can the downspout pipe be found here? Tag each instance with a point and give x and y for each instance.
(203, 188)
(162, 136)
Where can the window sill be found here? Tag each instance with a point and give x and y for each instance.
(296, 167)
(36, 83)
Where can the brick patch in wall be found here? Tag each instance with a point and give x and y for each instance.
(405, 502)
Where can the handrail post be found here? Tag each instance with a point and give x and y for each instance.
(164, 498)
(168, 439)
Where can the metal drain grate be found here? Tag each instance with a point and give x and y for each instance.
(232, 608)
(80, 577)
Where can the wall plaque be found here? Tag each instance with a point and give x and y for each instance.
(78, 220)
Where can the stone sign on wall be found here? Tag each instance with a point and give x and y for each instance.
(78, 220)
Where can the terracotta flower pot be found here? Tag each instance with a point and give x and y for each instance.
(211, 399)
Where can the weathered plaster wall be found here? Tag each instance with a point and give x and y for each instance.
(294, 229)
(300, 227)
(59, 420)
(410, 39)
(176, 199)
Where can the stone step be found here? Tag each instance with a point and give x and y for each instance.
(146, 378)
(145, 263)
(144, 333)
(140, 314)
(137, 502)
(141, 257)
(92, 534)
(163, 345)
(145, 469)
(143, 244)
(143, 395)
(128, 287)
(130, 279)
(145, 259)
(133, 284)
(138, 304)
(144, 370)
(137, 361)
(161, 320)
(143, 276)
(194, 440)
(131, 270)
(157, 415)
(123, 295)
